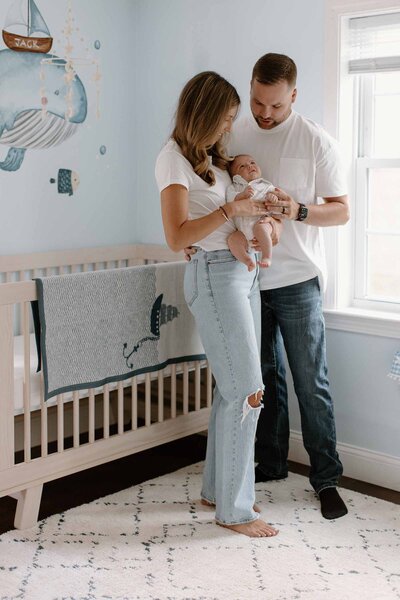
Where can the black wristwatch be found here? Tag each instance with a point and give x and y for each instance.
(303, 212)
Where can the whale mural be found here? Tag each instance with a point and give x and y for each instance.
(23, 122)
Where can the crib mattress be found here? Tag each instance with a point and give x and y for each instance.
(36, 379)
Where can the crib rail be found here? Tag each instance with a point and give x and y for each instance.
(23, 267)
(96, 425)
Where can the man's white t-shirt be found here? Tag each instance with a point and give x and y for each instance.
(172, 167)
(303, 160)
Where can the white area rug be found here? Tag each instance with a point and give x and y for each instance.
(155, 541)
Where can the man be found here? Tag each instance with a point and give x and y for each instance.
(298, 156)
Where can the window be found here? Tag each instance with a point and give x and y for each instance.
(373, 46)
(377, 191)
(368, 126)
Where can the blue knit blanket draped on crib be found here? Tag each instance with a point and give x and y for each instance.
(105, 326)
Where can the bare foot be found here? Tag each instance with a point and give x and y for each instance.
(250, 264)
(265, 262)
(256, 528)
(256, 508)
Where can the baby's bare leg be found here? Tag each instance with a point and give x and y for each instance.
(262, 232)
(238, 246)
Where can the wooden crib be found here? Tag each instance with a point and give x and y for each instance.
(42, 441)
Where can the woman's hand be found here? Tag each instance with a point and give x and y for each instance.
(189, 251)
(245, 208)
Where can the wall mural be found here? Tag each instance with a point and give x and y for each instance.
(67, 181)
(43, 101)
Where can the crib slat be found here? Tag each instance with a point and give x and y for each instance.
(147, 418)
(134, 399)
(160, 396)
(173, 391)
(18, 311)
(27, 382)
(106, 411)
(43, 426)
(197, 381)
(91, 416)
(185, 388)
(209, 386)
(120, 408)
(60, 423)
(75, 418)
(7, 386)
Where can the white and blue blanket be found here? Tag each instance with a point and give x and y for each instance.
(106, 326)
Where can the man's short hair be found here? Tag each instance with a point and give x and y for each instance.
(273, 68)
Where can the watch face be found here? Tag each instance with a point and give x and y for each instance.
(303, 212)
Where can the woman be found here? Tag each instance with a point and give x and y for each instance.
(192, 176)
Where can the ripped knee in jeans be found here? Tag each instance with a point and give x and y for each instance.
(252, 402)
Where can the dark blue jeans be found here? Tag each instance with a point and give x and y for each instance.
(292, 316)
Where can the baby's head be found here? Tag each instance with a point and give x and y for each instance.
(245, 166)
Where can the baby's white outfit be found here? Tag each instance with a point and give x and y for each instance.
(261, 187)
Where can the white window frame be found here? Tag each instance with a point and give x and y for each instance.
(341, 311)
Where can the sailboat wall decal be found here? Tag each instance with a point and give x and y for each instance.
(25, 13)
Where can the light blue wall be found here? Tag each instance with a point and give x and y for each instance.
(179, 38)
(182, 37)
(149, 50)
(34, 217)
(367, 401)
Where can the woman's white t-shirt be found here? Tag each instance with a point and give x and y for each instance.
(173, 168)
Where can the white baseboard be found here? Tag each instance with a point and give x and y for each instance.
(358, 463)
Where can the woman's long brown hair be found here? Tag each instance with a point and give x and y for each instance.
(203, 104)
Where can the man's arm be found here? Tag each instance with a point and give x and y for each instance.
(334, 211)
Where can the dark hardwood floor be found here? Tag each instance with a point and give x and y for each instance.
(83, 487)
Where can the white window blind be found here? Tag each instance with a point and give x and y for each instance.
(374, 43)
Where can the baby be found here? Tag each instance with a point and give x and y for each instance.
(244, 170)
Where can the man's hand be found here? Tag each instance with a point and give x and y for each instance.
(281, 204)
(189, 251)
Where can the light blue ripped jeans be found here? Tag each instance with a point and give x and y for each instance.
(225, 301)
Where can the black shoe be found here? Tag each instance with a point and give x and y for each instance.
(332, 506)
(260, 476)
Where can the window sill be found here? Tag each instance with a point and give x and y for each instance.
(369, 322)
